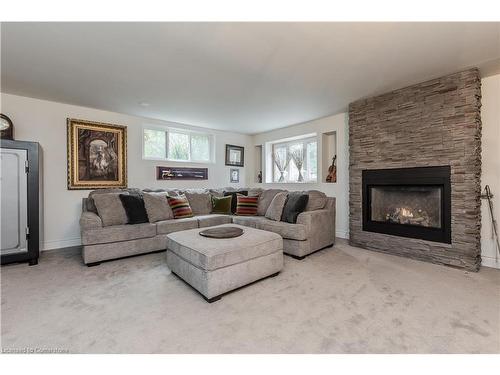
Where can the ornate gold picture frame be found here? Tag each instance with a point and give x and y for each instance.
(97, 155)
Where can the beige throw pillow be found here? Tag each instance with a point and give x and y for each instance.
(200, 202)
(275, 209)
(317, 200)
(157, 207)
(265, 199)
(110, 208)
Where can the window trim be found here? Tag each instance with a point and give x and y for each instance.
(189, 132)
(305, 140)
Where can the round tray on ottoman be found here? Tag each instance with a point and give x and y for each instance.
(222, 232)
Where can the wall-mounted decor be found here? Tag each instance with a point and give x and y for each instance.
(235, 156)
(97, 155)
(332, 171)
(234, 175)
(6, 127)
(181, 173)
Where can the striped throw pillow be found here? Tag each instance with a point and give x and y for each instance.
(246, 206)
(180, 206)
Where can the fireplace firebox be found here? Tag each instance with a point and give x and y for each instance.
(408, 202)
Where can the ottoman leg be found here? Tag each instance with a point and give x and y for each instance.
(213, 299)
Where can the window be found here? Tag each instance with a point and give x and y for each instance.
(295, 160)
(177, 145)
(154, 143)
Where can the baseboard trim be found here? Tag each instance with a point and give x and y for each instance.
(342, 234)
(490, 262)
(60, 244)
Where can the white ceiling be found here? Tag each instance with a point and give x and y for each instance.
(244, 77)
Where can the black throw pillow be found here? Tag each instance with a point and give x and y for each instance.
(295, 204)
(135, 209)
(234, 200)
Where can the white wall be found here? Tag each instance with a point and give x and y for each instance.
(45, 122)
(490, 115)
(339, 190)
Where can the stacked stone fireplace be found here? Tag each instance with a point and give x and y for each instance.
(415, 171)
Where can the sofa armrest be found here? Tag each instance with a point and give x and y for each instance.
(310, 218)
(90, 220)
(320, 226)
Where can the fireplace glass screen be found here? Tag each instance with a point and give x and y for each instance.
(410, 205)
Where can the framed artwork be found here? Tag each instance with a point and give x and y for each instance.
(97, 155)
(234, 175)
(235, 155)
(181, 173)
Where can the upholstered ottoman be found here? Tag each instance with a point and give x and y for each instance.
(216, 266)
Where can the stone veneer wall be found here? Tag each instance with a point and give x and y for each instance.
(433, 123)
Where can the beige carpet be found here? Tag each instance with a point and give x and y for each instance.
(339, 300)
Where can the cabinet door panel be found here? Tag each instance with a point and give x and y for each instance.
(14, 196)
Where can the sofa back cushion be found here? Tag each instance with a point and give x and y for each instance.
(221, 205)
(134, 208)
(169, 192)
(180, 206)
(254, 192)
(317, 200)
(275, 209)
(265, 199)
(157, 207)
(246, 206)
(295, 204)
(90, 205)
(200, 202)
(217, 192)
(110, 208)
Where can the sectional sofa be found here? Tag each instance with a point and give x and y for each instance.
(314, 230)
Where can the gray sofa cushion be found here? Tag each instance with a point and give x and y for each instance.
(286, 230)
(217, 192)
(171, 192)
(110, 208)
(157, 207)
(175, 225)
(213, 253)
(248, 221)
(212, 220)
(275, 209)
(200, 202)
(265, 199)
(118, 233)
(114, 250)
(90, 205)
(317, 200)
(253, 192)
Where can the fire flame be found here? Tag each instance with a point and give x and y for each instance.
(405, 212)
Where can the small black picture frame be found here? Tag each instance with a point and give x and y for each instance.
(235, 156)
(234, 175)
